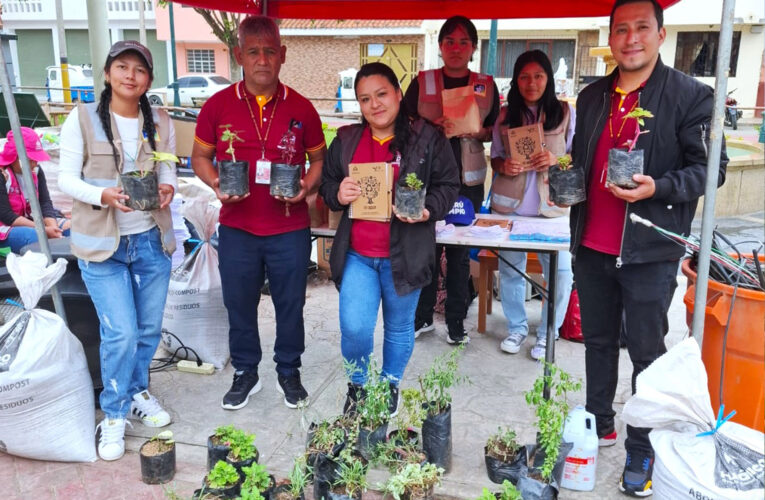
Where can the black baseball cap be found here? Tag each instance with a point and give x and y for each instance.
(125, 45)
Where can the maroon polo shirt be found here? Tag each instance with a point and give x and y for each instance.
(372, 238)
(605, 212)
(260, 213)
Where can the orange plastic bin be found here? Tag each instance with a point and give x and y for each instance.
(744, 372)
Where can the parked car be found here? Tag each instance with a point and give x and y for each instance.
(190, 88)
(80, 83)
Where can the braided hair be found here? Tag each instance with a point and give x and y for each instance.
(104, 115)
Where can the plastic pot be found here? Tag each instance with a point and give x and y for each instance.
(622, 165)
(234, 177)
(215, 451)
(143, 191)
(437, 438)
(369, 439)
(498, 471)
(567, 187)
(285, 180)
(157, 462)
(325, 474)
(530, 483)
(409, 203)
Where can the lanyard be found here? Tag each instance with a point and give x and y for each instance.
(261, 138)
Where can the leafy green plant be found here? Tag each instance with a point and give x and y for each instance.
(503, 445)
(230, 136)
(156, 156)
(638, 113)
(564, 162)
(413, 478)
(326, 435)
(299, 476)
(411, 413)
(508, 492)
(372, 410)
(256, 478)
(412, 182)
(395, 455)
(551, 413)
(437, 382)
(222, 476)
(352, 476)
(242, 445)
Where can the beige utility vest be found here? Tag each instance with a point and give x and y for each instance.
(95, 233)
(429, 106)
(507, 191)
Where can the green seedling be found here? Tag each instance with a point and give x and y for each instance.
(230, 136)
(412, 182)
(222, 476)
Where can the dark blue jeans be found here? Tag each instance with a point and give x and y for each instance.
(245, 260)
(642, 292)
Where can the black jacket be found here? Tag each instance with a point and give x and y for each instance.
(411, 245)
(675, 152)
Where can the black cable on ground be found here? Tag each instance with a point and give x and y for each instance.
(166, 362)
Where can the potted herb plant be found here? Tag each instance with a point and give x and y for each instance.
(567, 186)
(141, 186)
(285, 177)
(294, 487)
(158, 459)
(218, 445)
(435, 386)
(508, 492)
(624, 163)
(222, 481)
(351, 481)
(414, 482)
(233, 176)
(409, 418)
(256, 480)
(503, 456)
(327, 441)
(410, 197)
(243, 452)
(542, 479)
(372, 411)
(394, 455)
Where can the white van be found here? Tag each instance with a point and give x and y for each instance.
(80, 81)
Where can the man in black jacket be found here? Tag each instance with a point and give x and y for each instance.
(621, 267)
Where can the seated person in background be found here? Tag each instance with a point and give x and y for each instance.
(17, 228)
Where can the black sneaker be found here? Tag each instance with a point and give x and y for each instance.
(393, 401)
(423, 327)
(456, 332)
(245, 384)
(355, 394)
(294, 393)
(636, 478)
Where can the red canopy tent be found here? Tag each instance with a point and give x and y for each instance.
(413, 9)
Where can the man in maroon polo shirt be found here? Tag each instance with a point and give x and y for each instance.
(623, 269)
(260, 235)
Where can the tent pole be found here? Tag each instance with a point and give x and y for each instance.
(34, 202)
(491, 64)
(713, 165)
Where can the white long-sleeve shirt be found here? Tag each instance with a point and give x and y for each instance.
(71, 161)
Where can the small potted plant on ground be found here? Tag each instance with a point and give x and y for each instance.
(414, 482)
(218, 445)
(257, 481)
(372, 411)
(435, 386)
(394, 455)
(158, 459)
(566, 183)
(410, 197)
(233, 176)
(243, 452)
(294, 487)
(285, 177)
(351, 481)
(222, 481)
(409, 418)
(503, 456)
(327, 441)
(508, 492)
(542, 479)
(141, 186)
(624, 163)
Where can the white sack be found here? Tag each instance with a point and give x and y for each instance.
(194, 311)
(47, 408)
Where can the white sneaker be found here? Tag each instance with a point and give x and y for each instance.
(146, 408)
(538, 351)
(423, 328)
(111, 438)
(512, 344)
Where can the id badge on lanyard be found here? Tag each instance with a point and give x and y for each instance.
(263, 171)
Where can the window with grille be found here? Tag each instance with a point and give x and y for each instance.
(696, 53)
(509, 50)
(200, 60)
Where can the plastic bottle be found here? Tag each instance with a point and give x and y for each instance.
(581, 462)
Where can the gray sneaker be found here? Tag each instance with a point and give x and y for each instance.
(538, 351)
(512, 344)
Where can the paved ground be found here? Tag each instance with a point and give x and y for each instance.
(494, 397)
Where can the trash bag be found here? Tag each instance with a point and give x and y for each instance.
(195, 316)
(437, 438)
(47, 407)
(697, 455)
(499, 471)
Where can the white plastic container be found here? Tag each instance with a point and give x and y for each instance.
(581, 462)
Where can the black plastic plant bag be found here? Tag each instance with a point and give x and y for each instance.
(437, 438)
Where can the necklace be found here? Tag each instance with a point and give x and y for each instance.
(262, 139)
(622, 97)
